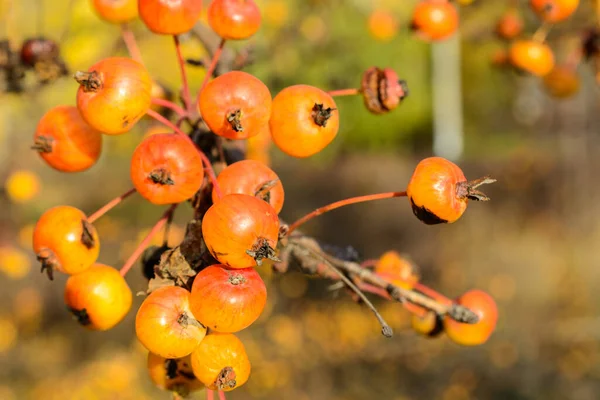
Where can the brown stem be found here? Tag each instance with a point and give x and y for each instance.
(342, 203)
(43, 144)
(468, 190)
(542, 32)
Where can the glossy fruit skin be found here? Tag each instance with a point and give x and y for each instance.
(116, 11)
(173, 374)
(235, 91)
(292, 123)
(65, 141)
(63, 237)
(248, 177)
(122, 97)
(485, 307)
(166, 169)
(397, 270)
(432, 191)
(227, 300)
(165, 325)
(234, 19)
(435, 19)
(531, 56)
(554, 10)
(510, 25)
(169, 17)
(562, 82)
(99, 297)
(430, 325)
(238, 223)
(221, 354)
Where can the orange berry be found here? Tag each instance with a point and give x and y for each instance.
(235, 105)
(234, 19)
(304, 120)
(114, 94)
(429, 325)
(382, 25)
(221, 362)
(562, 82)
(164, 323)
(478, 333)
(435, 19)
(64, 240)
(173, 374)
(166, 169)
(531, 56)
(65, 141)
(98, 297)
(397, 270)
(241, 230)
(510, 25)
(438, 191)
(170, 17)
(252, 178)
(554, 10)
(116, 11)
(22, 186)
(227, 300)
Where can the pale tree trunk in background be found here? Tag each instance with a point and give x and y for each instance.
(448, 138)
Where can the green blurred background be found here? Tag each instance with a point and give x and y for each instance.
(533, 247)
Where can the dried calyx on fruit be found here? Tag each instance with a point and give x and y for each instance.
(382, 90)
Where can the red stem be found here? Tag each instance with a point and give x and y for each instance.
(169, 104)
(131, 43)
(427, 291)
(342, 203)
(110, 205)
(213, 64)
(222, 395)
(210, 394)
(142, 246)
(205, 160)
(186, 87)
(344, 92)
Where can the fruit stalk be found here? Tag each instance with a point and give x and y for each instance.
(186, 87)
(342, 203)
(169, 104)
(213, 64)
(131, 43)
(344, 92)
(110, 205)
(142, 246)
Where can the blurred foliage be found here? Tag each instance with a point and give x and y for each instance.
(533, 247)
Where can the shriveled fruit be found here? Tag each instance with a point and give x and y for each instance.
(382, 90)
(236, 105)
(173, 374)
(227, 300)
(221, 362)
(98, 297)
(531, 56)
(241, 230)
(252, 178)
(116, 11)
(164, 323)
(166, 168)
(304, 120)
(234, 19)
(435, 19)
(65, 141)
(478, 333)
(64, 240)
(169, 17)
(438, 191)
(114, 94)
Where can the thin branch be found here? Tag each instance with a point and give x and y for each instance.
(131, 43)
(110, 205)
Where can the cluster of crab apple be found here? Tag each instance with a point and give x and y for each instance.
(190, 331)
